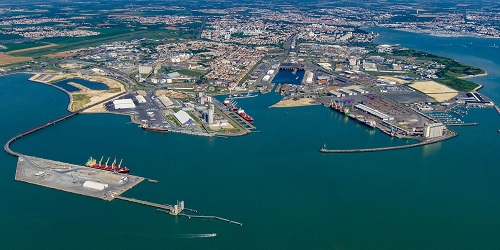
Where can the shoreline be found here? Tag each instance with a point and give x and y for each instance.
(95, 96)
(473, 76)
(433, 33)
(302, 102)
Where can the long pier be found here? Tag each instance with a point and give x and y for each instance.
(498, 109)
(463, 124)
(6, 146)
(146, 203)
(211, 217)
(450, 135)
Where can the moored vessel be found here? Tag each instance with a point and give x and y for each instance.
(92, 163)
(242, 113)
(151, 128)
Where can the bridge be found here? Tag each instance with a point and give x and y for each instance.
(291, 66)
(6, 146)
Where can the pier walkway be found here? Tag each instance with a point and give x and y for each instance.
(450, 135)
(211, 217)
(463, 124)
(146, 203)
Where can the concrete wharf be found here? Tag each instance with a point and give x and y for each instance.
(242, 124)
(463, 124)
(449, 135)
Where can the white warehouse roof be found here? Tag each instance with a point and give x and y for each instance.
(165, 101)
(124, 104)
(95, 185)
(140, 99)
(183, 117)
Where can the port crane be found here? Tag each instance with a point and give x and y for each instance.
(73, 179)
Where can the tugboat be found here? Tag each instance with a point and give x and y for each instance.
(92, 163)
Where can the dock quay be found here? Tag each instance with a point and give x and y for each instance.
(189, 132)
(73, 178)
(448, 136)
(463, 124)
(244, 126)
(92, 182)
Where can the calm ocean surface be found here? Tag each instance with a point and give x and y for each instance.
(287, 194)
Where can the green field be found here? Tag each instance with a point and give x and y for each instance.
(65, 44)
(449, 75)
(451, 65)
(192, 73)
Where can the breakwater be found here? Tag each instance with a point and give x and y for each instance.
(450, 134)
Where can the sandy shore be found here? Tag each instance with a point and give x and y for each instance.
(294, 103)
(85, 97)
(472, 76)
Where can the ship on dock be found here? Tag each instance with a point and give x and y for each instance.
(339, 107)
(92, 163)
(242, 113)
(364, 121)
(231, 105)
(152, 128)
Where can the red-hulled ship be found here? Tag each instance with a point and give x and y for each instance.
(92, 163)
(242, 113)
(230, 105)
(150, 128)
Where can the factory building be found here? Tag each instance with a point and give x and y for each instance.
(336, 93)
(124, 104)
(210, 118)
(359, 90)
(432, 130)
(374, 112)
(183, 118)
(145, 69)
(347, 92)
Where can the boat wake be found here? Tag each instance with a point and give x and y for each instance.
(191, 236)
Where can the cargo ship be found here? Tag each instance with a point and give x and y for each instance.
(230, 104)
(155, 129)
(92, 163)
(368, 123)
(340, 108)
(242, 113)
